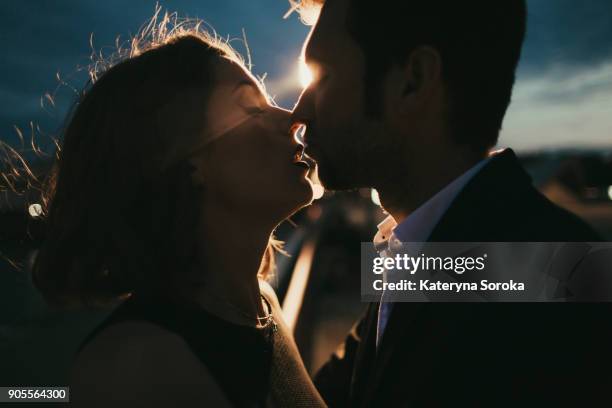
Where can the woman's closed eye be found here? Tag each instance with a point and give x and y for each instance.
(254, 110)
(251, 100)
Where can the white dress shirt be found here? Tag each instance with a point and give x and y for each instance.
(417, 227)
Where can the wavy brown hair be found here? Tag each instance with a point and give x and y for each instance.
(120, 214)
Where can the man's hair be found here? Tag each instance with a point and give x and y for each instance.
(479, 42)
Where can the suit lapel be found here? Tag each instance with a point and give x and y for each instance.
(484, 198)
(466, 219)
(402, 316)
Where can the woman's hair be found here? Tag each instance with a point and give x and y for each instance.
(120, 216)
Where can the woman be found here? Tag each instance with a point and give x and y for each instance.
(174, 171)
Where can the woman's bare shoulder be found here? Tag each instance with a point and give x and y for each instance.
(140, 361)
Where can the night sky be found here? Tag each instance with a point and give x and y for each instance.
(563, 96)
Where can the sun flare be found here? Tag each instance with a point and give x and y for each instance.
(305, 74)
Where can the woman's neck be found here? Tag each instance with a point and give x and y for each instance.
(230, 251)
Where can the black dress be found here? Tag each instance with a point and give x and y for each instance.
(254, 367)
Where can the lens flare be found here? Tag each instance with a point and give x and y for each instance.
(305, 74)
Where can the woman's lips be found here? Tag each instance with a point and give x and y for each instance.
(302, 164)
(299, 157)
(298, 153)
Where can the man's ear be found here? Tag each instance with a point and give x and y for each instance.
(419, 76)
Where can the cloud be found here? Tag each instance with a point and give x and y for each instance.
(562, 107)
(568, 32)
(563, 86)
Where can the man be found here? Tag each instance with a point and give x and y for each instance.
(408, 98)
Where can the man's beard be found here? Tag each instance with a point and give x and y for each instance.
(362, 157)
(360, 169)
(332, 179)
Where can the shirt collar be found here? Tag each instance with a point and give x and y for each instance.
(418, 226)
(385, 229)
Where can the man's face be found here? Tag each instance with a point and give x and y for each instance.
(345, 143)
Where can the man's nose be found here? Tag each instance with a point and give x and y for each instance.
(303, 111)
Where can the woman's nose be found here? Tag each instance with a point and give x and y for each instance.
(283, 118)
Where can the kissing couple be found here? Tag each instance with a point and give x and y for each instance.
(175, 169)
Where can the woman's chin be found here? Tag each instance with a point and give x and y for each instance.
(305, 191)
(296, 192)
(300, 194)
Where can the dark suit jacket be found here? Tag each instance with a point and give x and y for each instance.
(484, 354)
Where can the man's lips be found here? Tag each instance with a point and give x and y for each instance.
(312, 150)
(311, 162)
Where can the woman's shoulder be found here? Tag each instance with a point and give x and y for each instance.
(126, 360)
(292, 385)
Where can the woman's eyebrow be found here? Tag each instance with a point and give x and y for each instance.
(246, 82)
(260, 93)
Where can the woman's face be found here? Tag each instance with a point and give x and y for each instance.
(254, 161)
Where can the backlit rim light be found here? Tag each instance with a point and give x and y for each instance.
(375, 197)
(305, 74)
